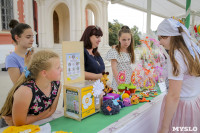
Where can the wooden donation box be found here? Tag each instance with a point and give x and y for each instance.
(79, 101)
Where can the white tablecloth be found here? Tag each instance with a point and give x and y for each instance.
(145, 119)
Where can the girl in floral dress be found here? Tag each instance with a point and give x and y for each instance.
(35, 95)
(122, 56)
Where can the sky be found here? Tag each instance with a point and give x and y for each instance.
(130, 17)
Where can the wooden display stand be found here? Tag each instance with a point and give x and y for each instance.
(78, 99)
(70, 52)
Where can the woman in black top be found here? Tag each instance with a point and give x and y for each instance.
(94, 65)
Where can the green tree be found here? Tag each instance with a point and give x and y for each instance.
(136, 35)
(113, 32)
(114, 29)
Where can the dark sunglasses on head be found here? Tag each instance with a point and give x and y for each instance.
(162, 37)
(96, 27)
(125, 27)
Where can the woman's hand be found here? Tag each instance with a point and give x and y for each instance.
(8, 120)
(28, 56)
(99, 75)
(92, 76)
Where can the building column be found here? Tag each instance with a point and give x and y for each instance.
(148, 28)
(28, 12)
(76, 20)
(41, 24)
(15, 10)
(105, 23)
(20, 5)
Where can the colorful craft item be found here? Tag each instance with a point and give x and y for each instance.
(198, 29)
(115, 102)
(154, 92)
(195, 29)
(109, 108)
(147, 71)
(107, 89)
(131, 88)
(98, 86)
(147, 42)
(121, 104)
(151, 95)
(20, 129)
(121, 87)
(152, 58)
(125, 95)
(178, 20)
(111, 96)
(104, 79)
(137, 75)
(114, 91)
(138, 89)
(127, 91)
(144, 94)
(143, 100)
(149, 83)
(127, 102)
(133, 78)
(121, 77)
(134, 99)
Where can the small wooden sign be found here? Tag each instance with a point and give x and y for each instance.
(73, 62)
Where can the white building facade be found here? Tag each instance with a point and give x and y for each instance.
(56, 21)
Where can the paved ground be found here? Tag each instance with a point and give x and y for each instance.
(5, 86)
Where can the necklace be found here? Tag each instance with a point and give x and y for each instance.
(97, 61)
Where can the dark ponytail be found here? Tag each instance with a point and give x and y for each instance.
(17, 28)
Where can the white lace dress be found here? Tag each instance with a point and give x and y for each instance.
(123, 64)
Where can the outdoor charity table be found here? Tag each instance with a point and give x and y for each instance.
(143, 117)
(140, 118)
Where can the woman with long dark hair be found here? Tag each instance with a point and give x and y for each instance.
(94, 65)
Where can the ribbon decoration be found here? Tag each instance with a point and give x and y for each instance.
(187, 37)
(26, 71)
(121, 77)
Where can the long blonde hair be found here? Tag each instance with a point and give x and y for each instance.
(126, 29)
(40, 61)
(193, 65)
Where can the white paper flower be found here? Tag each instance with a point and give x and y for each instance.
(97, 88)
(87, 100)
